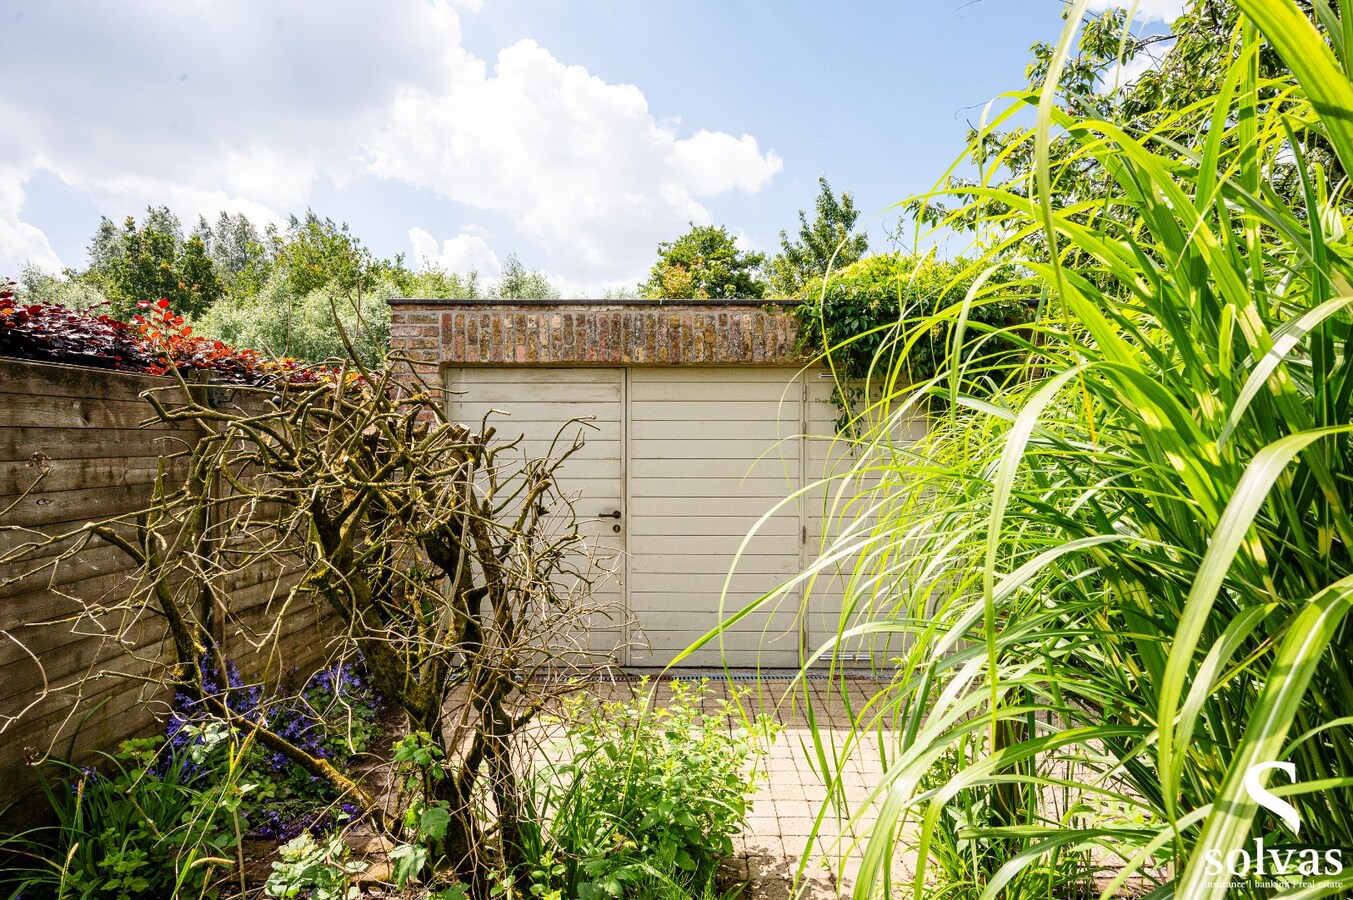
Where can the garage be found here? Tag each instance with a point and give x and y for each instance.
(678, 466)
(698, 421)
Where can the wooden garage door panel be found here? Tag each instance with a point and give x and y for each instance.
(697, 509)
(832, 591)
(512, 395)
(588, 470)
(784, 471)
(658, 562)
(747, 451)
(525, 375)
(743, 375)
(765, 488)
(694, 435)
(704, 389)
(535, 404)
(693, 458)
(772, 545)
(771, 649)
(701, 589)
(771, 535)
(765, 431)
(697, 411)
(767, 619)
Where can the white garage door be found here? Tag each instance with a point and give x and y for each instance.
(711, 452)
(837, 516)
(691, 458)
(538, 405)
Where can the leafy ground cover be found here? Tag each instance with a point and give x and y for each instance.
(642, 801)
(169, 816)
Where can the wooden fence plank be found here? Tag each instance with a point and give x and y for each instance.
(87, 428)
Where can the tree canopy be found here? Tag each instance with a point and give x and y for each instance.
(296, 291)
(520, 283)
(826, 242)
(152, 260)
(705, 263)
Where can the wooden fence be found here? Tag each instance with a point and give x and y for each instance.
(81, 431)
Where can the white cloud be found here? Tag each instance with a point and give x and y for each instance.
(1121, 75)
(461, 254)
(1147, 10)
(713, 163)
(577, 163)
(157, 103)
(20, 242)
(743, 241)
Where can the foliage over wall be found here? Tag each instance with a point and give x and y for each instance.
(828, 243)
(285, 291)
(156, 341)
(705, 263)
(858, 316)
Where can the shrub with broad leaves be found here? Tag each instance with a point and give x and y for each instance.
(155, 342)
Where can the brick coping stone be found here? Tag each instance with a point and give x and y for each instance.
(437, 332)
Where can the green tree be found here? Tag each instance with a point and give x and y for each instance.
(519, 283)
(105, 247)
(150, 261)
(71, 289)
(705, 263)
(825, 243)
(1170, 100)
(306, 326)
(241, 254)
(434, 281)
(315, 252)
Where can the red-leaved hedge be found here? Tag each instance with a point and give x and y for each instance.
(155, 342)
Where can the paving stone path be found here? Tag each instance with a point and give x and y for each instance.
(789, 801)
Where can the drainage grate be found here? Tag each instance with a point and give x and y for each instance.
(618, 675)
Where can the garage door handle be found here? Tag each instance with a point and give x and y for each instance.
(613, 514)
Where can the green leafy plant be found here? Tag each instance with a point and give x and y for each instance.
(1118, 581)
(313, 869)
(828, 244)
(705, 263)
(646, 792)
(418, 767)
(863, 321)
(148, 826)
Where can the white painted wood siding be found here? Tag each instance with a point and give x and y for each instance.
(711, 451)
(537, 406)
(693, 457)
(837, 514)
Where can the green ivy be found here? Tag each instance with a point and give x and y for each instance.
(863, 317)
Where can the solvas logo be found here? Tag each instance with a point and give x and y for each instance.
(1275, 862)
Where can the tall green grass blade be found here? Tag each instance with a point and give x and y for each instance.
(1315, 66)
(1226, 542)
(1307, 638)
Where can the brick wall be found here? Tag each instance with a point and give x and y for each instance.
(581, 332)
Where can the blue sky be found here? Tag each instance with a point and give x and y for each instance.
(576, 134)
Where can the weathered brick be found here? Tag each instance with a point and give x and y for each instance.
(572, 332)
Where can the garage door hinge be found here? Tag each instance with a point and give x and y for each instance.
(803, 536)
